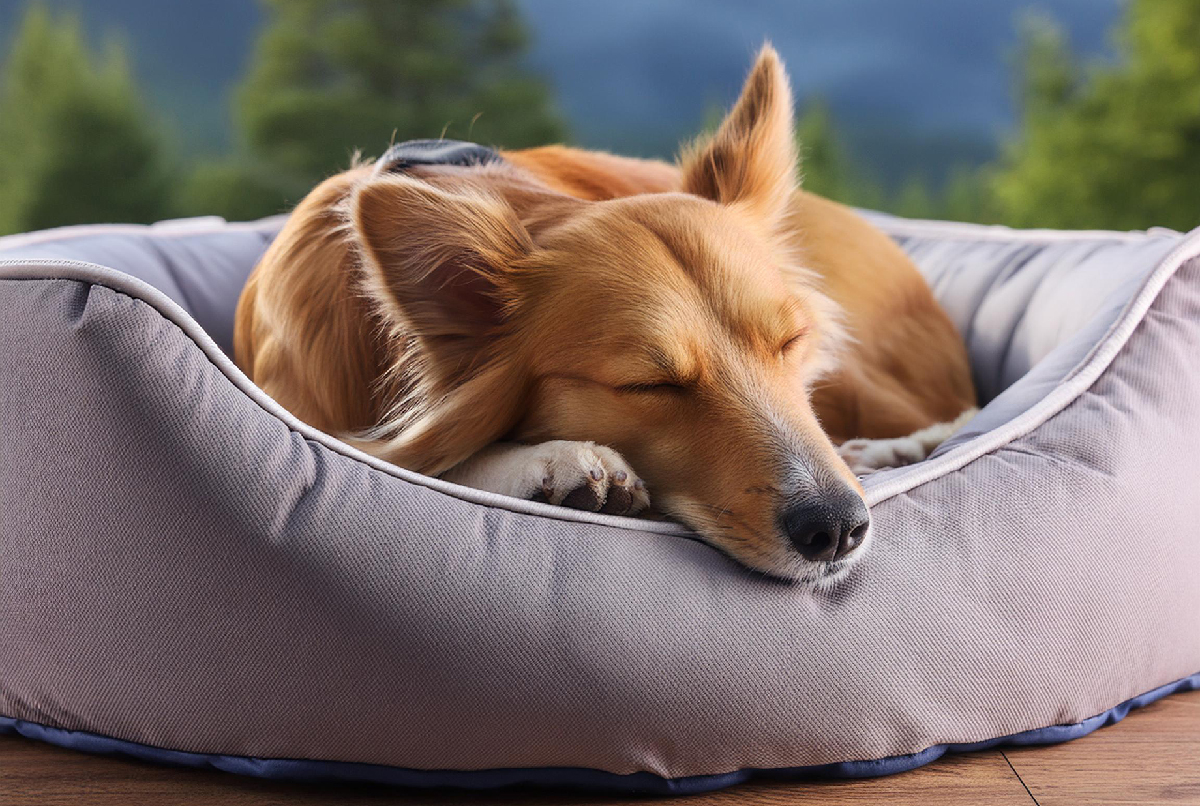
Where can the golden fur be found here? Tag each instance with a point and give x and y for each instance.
(719, 328)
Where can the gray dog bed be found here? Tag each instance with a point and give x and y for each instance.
(189, 574)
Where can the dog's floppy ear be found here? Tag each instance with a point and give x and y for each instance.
(436, 261)
(751, 160)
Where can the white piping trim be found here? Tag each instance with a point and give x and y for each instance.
(927, 228)
(893, 225)
(95, 274)
(895, 484)
(1080, 379)
(173, 228)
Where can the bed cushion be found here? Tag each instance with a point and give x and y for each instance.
(189, 574)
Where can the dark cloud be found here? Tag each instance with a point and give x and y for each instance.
(923, 65)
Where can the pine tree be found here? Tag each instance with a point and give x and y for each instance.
(826, 168)
(915, 199)
(76, 145)
(332, 77)
(1116, 145)
(822, 158)
(967, 196)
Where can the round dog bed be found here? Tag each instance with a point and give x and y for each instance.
(189, 574)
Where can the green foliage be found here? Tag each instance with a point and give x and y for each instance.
(967, 196)
(238, 191)
(822, 158)
(1107, 146)
(1113, 146)
(830, 170)
(826, 167)
(915, 199)
(76, 145)
(331, 77)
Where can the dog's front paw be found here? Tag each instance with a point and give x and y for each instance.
(868, 455)
(587, 476)
(579, 475)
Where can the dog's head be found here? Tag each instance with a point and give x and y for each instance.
(677, 328)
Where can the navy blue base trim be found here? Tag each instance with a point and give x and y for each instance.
(574, 777)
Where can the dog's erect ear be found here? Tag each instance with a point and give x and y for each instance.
(751, 160)
(436, 261)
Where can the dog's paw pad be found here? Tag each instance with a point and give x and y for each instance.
(589, 477)
(620, 500)
(586, 498)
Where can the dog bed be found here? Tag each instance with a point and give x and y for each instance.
(190, 575)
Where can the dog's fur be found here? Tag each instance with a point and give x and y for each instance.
(530, 326)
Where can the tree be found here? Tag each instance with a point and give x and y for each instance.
(1114, 145)
(76, 145)
(967, 196)
(826, 168)
(333, 77)
(239, 189)
(822, 158)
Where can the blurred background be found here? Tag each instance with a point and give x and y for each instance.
(1052, 113)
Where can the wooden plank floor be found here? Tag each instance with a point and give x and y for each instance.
(1152, 757)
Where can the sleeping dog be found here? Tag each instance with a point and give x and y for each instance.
(594, 331)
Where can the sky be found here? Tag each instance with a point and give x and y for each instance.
(916, 76)
(929, 65)
(909, 81)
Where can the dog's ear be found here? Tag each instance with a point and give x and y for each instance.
(437, 262)
(751, 160)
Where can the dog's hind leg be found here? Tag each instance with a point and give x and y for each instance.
(868, 455)
(579, 475)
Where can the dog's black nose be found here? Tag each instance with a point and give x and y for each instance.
(826, 528)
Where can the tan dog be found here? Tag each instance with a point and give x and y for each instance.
(562, 325)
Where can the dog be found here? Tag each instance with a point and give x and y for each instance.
(586, 330)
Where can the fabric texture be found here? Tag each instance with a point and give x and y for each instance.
(184, 566)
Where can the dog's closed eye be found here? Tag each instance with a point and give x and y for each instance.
(792, 342)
